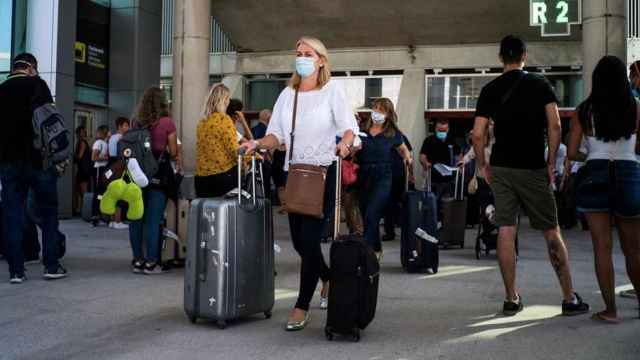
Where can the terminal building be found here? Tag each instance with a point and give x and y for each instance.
(431, 58)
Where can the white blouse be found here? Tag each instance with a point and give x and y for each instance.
(322, 115)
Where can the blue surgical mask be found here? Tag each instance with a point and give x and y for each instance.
(305, 66)
(378, 118)
(441, 135)
(635, 93)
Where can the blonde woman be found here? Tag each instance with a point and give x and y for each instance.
(216, 147)
(322, 113)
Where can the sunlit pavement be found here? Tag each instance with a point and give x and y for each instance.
(102, 311)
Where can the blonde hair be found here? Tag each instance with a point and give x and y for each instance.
(216, 101)
(324, 74)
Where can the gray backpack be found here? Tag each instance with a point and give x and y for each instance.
(136, 144)
(51, 137)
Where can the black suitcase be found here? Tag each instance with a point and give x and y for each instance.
(418, 243)
(355, 273)
(454, 215)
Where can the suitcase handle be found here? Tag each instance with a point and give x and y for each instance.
(241, 153)
(459, 180)
(336, 217)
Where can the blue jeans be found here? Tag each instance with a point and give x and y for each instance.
(148, 228)
(375, 194)
(603, 186)
(17, 180)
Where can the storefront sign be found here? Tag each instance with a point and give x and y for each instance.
(555, 17)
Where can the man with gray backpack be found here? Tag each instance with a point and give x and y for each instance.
(34, 151)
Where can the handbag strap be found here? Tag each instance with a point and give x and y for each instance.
(293, 123)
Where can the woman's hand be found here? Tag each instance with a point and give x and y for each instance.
(249, 147)
(343, 150)
(408, 162)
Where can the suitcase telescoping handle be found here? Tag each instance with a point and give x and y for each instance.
(241, 153)
(336, 217)
(459, 194)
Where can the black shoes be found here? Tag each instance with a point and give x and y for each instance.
(511, 308)
(578, 307)
(137, 266)
(389, 237)
(59, 273)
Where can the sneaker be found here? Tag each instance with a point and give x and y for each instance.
(576, 307)
(137, 266)
(17, 279)
(120, 226)
(59, 273)
(629, 294)
(324, 303)
(111, 225)
(154, 269)
(510, 308)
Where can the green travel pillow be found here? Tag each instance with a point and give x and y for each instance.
(133, 196)
(115, 192)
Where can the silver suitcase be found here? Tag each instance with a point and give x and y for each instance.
(229, 271)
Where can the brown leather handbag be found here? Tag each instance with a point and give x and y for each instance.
(304, 193)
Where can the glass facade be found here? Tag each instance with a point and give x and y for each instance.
(461, 92)
(6, 31)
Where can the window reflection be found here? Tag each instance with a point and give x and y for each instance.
(6, 10)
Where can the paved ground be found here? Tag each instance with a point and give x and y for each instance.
(104, 312)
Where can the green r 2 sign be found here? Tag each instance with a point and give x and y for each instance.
(555, 17)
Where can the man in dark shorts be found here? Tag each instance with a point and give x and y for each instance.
(522, 107)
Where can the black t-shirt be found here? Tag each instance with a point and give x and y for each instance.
(259, 131)
(521, 122)
(439, 152)
(397, 163)
(19, 97)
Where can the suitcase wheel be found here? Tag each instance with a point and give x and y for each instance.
(356, 335)
(328, 334)
(221, 324)
(267, 314)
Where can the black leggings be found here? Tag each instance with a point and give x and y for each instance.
(216, 185)
(305, 235)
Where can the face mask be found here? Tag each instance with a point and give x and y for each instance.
(635, 93)
(378, 118)
(305, 66)
(441, 135)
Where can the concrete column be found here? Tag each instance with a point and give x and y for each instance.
(191, 41)
(411, 107)
(51, 33)
(134, 53)
(604, 32)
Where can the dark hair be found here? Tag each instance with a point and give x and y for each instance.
(24, 61)
(512, 49)
(103, 129)
(121, 121)
(79, 130)
(610, 104)
(152, 107)
(634, 69)
(391, 124)
(442, 122)
(234, 105)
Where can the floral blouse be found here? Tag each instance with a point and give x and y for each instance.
(217, 145)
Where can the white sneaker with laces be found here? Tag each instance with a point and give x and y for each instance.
(120, 226)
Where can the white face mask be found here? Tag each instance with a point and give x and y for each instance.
(378, 118)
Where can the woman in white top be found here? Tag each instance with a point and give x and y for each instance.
(322, 113)
(608, 186)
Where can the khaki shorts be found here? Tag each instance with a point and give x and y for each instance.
(527, 189)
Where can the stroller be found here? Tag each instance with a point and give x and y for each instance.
(487, 237)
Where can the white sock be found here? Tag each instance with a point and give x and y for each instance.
(136, 173)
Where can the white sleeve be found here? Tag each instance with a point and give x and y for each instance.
(342, 113)
(278, 117)
(96, 146)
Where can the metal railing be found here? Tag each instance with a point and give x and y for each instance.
(220, 41)
(633, 19)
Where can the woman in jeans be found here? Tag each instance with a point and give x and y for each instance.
(376, 175)
(153, 114)
(608, 186)
(322, 113)
(217, 147)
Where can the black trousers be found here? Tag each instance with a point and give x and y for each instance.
(394, 208)
(216, 185)
(305, 235)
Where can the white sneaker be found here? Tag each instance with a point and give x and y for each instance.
(324, 303)
(120, 226)
(112, 225)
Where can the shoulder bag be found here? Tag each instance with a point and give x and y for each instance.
(304, 192)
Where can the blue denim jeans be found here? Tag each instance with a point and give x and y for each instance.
(603, 186)
(375, 194)
(148, 229)
(17, 180)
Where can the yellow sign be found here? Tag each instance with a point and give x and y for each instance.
(80, 54)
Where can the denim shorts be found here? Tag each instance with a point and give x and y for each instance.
(609, 186)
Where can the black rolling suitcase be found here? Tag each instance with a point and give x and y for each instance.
(418, 243)
(454, 215)
(355, 272)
